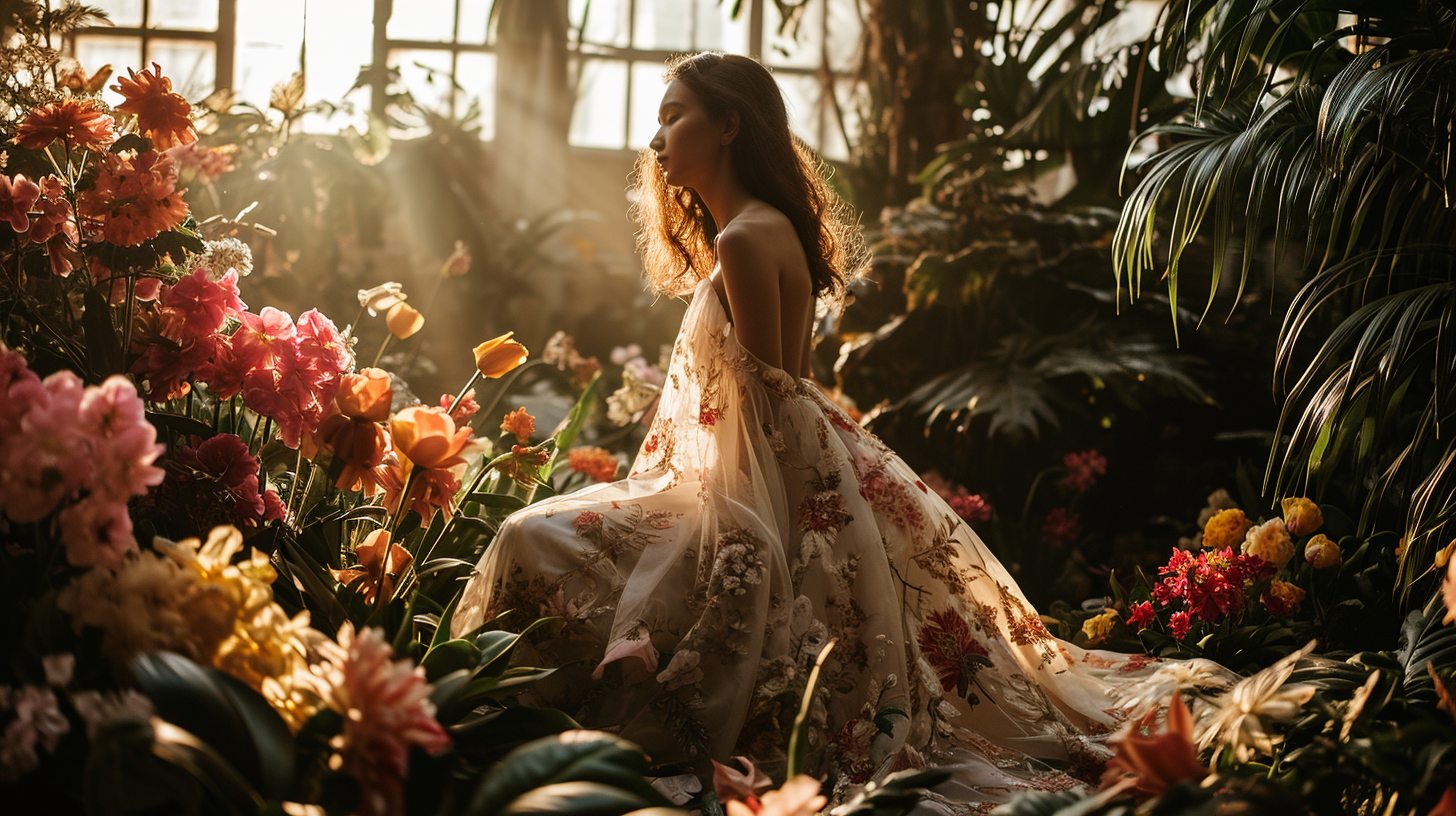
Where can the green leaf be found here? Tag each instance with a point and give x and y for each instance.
(575, 799)
(450, 656)
(486, 737)
(798, 738)
(566, 432)
(575, 756)
(182, 425)
(223, 712)
(497, 501)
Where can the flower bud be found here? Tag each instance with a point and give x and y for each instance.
(1321, 552)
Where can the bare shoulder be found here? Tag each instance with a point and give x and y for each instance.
(761, 239)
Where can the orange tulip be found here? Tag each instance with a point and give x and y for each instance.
(427, 436)
(403, 320)
(360, 443)
(499, 356)
(381, 562)
(1159, 761)
(366, 395)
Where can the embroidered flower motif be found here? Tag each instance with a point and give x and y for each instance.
(736, 564)
(947, 643)
(588, 522)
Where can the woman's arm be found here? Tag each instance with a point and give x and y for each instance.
(752, 280)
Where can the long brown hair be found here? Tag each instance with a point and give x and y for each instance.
(676, 231)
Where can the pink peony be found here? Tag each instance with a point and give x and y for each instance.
(386, 708)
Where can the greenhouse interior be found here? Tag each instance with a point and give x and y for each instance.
(727, 407)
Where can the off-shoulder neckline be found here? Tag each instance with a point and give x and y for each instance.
(733, 332)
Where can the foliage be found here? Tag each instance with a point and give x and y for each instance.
(1327, 134)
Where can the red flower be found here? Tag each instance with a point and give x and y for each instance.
(708, 415)
(946, 642)
(136, 199)
(166, 365)
(1179, 624)
(1139, 615)
(1083, 468)
(1061, 527)
(972, 507)
(80, 123)
(162, 116)
(224, 460)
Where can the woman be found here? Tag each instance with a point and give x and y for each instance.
(759, 522)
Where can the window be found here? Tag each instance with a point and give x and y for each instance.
(445, 53)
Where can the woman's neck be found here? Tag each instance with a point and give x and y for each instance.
(725, 197)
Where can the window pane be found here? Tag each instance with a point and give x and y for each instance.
(340, 42)
(845, 26)
(834, 146)
(124, 13)
(663, 24)
(797, 47)
(270, 33)
(801, 94)
(647, 88)
(606, 21)
(717, 30)
(96, 50)
(427, 75)
(191, 65)
(474, 21)
(599, 118)
(475, 73)
(192, 15)
(427, 20)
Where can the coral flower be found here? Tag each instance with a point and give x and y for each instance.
(1301, 516)
(366, 395)
(433, 489)
(427, 436)
(162, 116)
(403, 320)
(381, 562)
(598, 463)
(135, 199)
(465, 411)
(1158, 761)
(360, 443)
(16, 198)
(519, 424)
(499, 356)
(79, 123)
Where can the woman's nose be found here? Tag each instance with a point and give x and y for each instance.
(657, 142)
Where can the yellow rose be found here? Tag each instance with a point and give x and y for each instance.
(499, 356)
(1270, 541)
(1301, 516)
(1227, 528)
(1321, 552)
(1098, 628)
(403, 320)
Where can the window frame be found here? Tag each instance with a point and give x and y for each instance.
(224, 37)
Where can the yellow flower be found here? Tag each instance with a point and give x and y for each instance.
(403, 320)
(499, 356)
(1301, 516)
(1226, 529)
(1270, 541)
(1098, 628)
(1321, 552)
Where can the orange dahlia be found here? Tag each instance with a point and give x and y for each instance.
(135, 199)
(162, 116)
(79, 123)
(519, 424)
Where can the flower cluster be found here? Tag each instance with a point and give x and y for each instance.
(1083, 470)
(1208, 586)
(561, 352)
(972, 507)
(78, 452)
(220, 476)
(598, 463)
(135, 196)
(1061, 527)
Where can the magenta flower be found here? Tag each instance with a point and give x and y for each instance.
(1140, 615)
(1179, 624)
(1083, 468)
(972, 507)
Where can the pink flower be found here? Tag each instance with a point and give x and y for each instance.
(16, 198)
(125, 442)
(1139, 615)
(467, 409)
(322, 347)
(224, 370)
(97, 532)
(36, 721)
(1061, 527)
(386, 708)
(1083, 468)
(49, 458)
(203, 304)
(972, 507)
(166, 365)
(264, 338)
(1179, 624)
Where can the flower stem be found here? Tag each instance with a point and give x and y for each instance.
(382, 347)
(455, 403)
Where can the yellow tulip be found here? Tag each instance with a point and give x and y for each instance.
(499, 356)
(403, 320)
(1321, 552)
(1301, 516)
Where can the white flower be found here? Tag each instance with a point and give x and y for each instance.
(225, 254)
(621, 354)
(381, 297)
(1270, 541)
(1197, 674)
(1238, 720)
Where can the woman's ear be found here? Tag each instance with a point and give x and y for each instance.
(730, 129)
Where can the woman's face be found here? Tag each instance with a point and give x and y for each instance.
(689, 141)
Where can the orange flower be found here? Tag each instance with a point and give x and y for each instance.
(366, 395)
(520, 424)
(403, 320)
(499, 356)
(1157, 761)
(136, 199)
(381, 562)
(432, 488)
(427, 436)
(597, 463)
(162, 116)
(1227, 528)
(80, 123)
(360, 443)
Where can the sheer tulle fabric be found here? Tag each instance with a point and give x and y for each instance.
(758, 522)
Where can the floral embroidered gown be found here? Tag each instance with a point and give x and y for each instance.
(757, 523)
